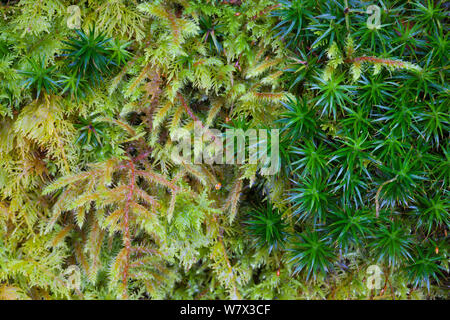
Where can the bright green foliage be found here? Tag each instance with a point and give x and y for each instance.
(392, 244)
(351, 228)
(75, 85)
(312, 159)
(311, 199)
(92, 134)
(293, 16)
(39, 77)
(299, 119)
(211, 33)
(424, 268)
(332, 95)
(300, 68)
(120, 55)
(88, 174)
(266, 225)
(433, 211)
(313, 254)
(88, 54)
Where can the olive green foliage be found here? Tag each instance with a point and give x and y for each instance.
(89, 186)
